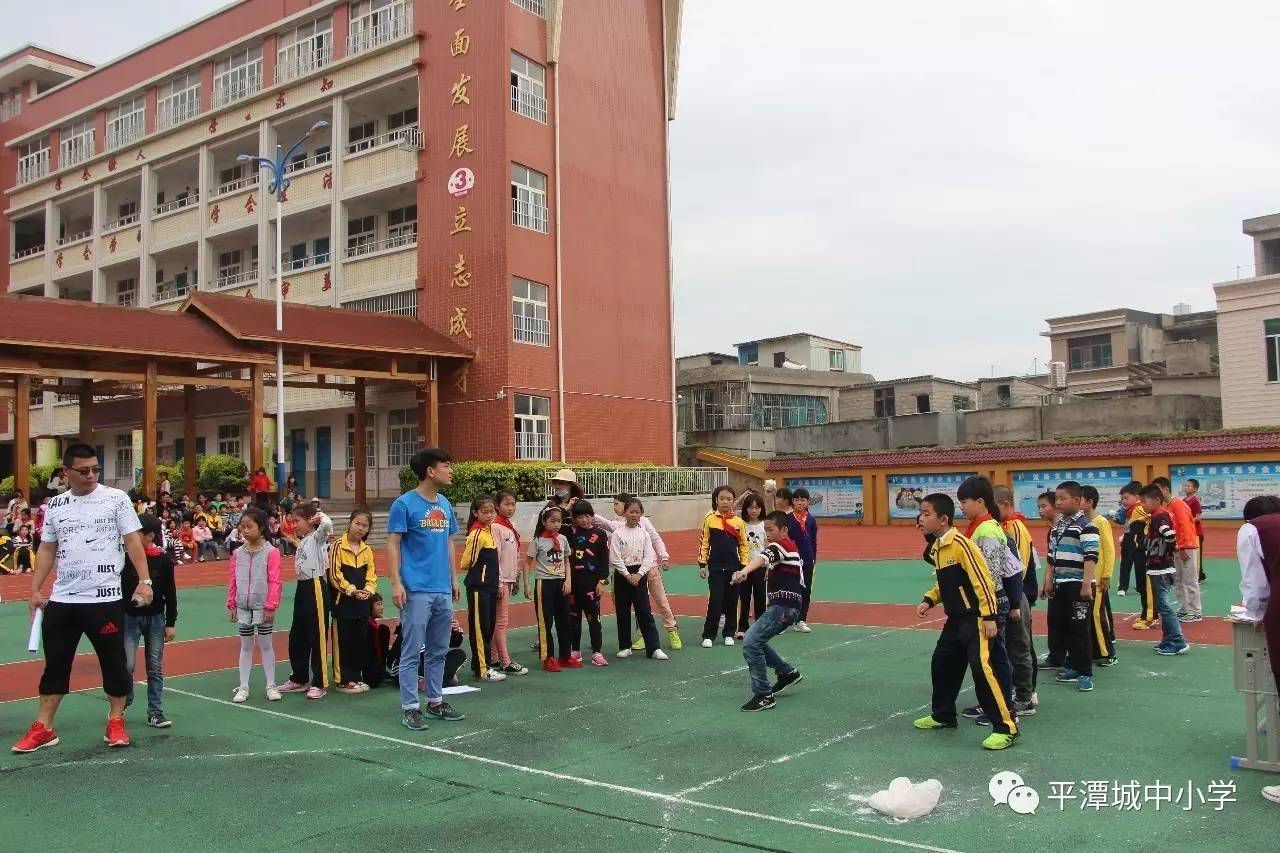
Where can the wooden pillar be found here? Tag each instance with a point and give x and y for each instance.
(361, 487)
(149, 391)
(255, 418)
(190, 476)
(86, 413)
(22, 435)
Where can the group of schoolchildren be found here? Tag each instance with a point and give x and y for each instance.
(986, 583)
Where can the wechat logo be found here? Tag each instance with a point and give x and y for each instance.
(1009, 789)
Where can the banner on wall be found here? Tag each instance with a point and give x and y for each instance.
(1029, 485)
(832, 497)
(1224, 489)
(907, 490)
(269, 447)
(137, 459)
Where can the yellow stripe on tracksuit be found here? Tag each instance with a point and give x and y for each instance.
(975, 567)
(1099, 631)
(542, 619)
(323, 631)
(993, 684)
(482, 654)
(1149, 612)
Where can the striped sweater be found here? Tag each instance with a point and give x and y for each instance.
(1072, 542)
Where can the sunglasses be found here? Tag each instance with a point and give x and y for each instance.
(85, 472)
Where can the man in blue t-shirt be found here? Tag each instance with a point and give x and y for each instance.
(423, 585)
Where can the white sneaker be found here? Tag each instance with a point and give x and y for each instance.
(624, 653)
(492, 675)
(240, 696)
(364, 688)
(1272, 793)
(273, 693)
(803, 628)
(659, 654)
(1121, 593)
(706, 644)
(728, 641)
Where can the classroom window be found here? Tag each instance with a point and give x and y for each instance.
(127, 292)
(1089, 353)
(303, 50)
(124, 456)
(884, 407)
(402, 437)
(1272, 330)
(229, 440)
(370, 441)
(530, 318)
(402, 224)
(528, 88)
(528, 198)
(532, 427)
(361, 232)
(403, 118)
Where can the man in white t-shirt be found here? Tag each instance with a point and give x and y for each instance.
(88, 531)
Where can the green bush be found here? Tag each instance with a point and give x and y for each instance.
(39, 478)
(527, 480)
(220, 473)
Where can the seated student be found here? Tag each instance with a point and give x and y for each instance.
(378, 641)
(205, 546)
(453, 659)
(22, 550)
(187, 542)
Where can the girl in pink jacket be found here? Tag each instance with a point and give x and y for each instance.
(253, 596)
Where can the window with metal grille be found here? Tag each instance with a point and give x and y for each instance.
(537, 7)
(528, 198)
(402, 436)
(237, 76)
(787, 410)
(1089, 353)
(127, 292)
(33, 160)
(402, 222)
(229, 439)
(361, 231)
(404, 303)
(370, 441)
(1272, 331)
(126, 122)
(884, 407)
(529, 314)
(124, 456)
(528, 88)
(179, 100)
(76, 143)
(304, 49)
(532, 427)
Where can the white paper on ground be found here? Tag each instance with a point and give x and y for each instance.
(33, 641)
(461, 688)
(907, 801)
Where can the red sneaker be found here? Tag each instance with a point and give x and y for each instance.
(570, 663)
(116, 736)
(37, 737)
(551, 665)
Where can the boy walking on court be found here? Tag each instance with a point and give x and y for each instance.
(152, 623)
(1186, 562)
(1161, 541)
(1102, 628)
(1018, 633)
(1068, 582)
(964, 589)
(784, 585)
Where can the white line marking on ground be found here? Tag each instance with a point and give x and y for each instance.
(564, 777)
(208, 756)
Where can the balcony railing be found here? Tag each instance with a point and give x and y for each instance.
(122, 222)
(75, 238)
(599, 483)
(27, 253)
(313, 160)
(237, 83)
(238, 184)
(400, 241)
(408, 138)
(529, 103)
(177, 204)
(534, 445)
(177, 108)
(33, 167)
(530, 213)
(537, 7)
(76, 149)
(290, 264)
(1258, 270)
(225, 281)
(384, 25)
(171, 290)
(532, 330)
(300, 60)
(125, 130)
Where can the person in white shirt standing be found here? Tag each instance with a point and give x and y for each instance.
(631, 556)
(88, 532)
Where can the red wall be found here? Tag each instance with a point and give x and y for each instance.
(617, 296)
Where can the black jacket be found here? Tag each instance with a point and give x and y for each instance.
(164, 589)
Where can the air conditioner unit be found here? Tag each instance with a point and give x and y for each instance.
(1057, 374)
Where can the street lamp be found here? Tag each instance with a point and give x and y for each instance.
(279, 184)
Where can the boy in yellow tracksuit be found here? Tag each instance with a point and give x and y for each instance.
(966, 592)
(1102, 628)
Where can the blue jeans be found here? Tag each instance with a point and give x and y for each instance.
(759, 655)
(425, 619)
(1162, 588)
(149, 629)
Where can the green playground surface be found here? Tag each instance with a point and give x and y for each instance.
(645, 755)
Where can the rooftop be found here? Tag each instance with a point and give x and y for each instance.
(1047, 451)
(885, 383)
(800, 335)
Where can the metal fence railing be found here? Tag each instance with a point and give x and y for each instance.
(607, 482)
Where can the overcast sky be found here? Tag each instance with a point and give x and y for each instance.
(931, 180)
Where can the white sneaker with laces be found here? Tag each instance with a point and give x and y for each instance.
(240, 696)
(493, 675)
(803, 628)
(624, 653)
(659, 654)
(1272, 793)
(273, 693)
(1121, 593)
(706, 644)
(728, 641)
